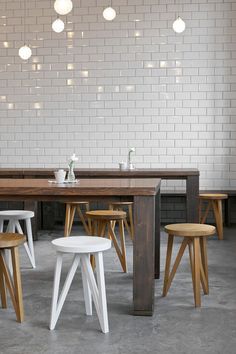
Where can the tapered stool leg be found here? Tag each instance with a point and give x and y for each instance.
(3, 290)
(196, 252)
(168, 263)
(17, 284)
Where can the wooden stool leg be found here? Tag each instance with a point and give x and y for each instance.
(196, 252)
(203, 247)
(203, 220)
(87, 207)
(72, 216)
(190, 246)
(217, 207)
(67, 220)
(168, 263)
(3, 289)
(17, 284)
(176, 263)
(116, 245)
(83, 219)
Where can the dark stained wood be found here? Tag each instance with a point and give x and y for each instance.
(166, 173)
(192, 192)
(34, 188)
(157, 234)
(142, 192)
(191, 175)
(144, 255)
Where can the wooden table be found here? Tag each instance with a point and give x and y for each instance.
(190, 175)
(145, 194)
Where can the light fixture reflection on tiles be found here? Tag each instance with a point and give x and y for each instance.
(58, 25)
(179, 25)
(109, 14)
(63, 7)
(24, 52)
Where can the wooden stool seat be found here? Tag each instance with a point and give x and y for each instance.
(81, 202)
(214, 202)
(210, 196)
(194, 236)
(106, 214)
(105, 219)
(190, 230)
(121, 203)
(71, 207)
(11, 241)
(121, 206)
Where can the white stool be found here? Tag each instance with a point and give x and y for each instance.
(13, 217)
(81, 247)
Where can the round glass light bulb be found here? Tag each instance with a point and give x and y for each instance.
(25, 52)
(109, 14)
(63, 7)
(179, 25)
(58, 25)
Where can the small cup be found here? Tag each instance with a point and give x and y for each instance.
(60, 176)
(122, 165)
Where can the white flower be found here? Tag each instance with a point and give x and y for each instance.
(74, 158)
(132, 149)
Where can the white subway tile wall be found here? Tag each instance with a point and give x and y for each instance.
(100, 87)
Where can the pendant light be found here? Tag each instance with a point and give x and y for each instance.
(179, 25)
(24, 52)
(109, 13)
(58, 25)
(63, 7)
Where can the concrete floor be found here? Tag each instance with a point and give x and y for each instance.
(176, 327)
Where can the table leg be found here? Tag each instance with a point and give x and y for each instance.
(144, 255)
(192, 192)
(157, 234)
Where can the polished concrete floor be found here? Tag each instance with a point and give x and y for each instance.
(176, 326)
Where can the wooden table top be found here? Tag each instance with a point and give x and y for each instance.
(85, 187)
(167, 173)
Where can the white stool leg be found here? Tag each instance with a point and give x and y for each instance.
(11, 228)
(87, 295)
(102, 290)
(56, 285)
(30, 244)
(57, 305)
(27, 244)
(1, 225)
(87, 269)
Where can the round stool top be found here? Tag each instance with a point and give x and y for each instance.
(8, 240)
(213, 196)
(16, 214)
(77, 203)
(190, 230)
(106, 214)
(81, 244)
(121, 203)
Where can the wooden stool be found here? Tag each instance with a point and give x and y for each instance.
(9, 241)
(81, 247)
(214, 201)
(70, 214)
(102, 220)
(121, 206)
(14, 217)
(195, 238)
